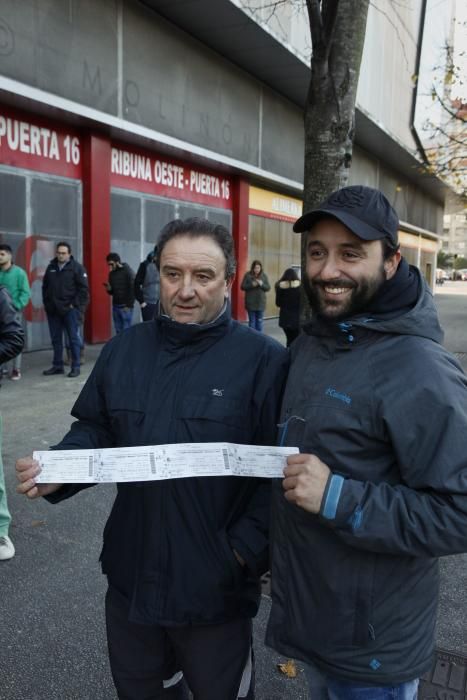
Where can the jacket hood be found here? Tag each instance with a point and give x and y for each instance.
(421, 320)
(418, 319)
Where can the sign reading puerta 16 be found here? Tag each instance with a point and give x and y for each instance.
(155, 175)
(37, 146)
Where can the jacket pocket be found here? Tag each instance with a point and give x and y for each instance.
(336, 595)
(127, 426)
(214, 419)
(232, 570)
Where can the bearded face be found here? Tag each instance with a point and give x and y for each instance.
(343, 272)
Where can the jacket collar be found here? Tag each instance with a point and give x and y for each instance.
(195, 335)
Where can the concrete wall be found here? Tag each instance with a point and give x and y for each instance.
(412, 205)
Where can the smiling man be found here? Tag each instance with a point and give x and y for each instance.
(379, 489)
(183, 557)
(343, 272)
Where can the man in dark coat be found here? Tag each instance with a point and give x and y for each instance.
(378, 409)
(11, 344)
(65, 294)
(183, 557)
(121, 288)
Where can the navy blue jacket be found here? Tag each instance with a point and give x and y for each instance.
(66, 288)
(384, 405)
(168, 544)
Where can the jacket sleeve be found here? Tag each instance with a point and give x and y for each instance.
(130, 285)
(278, 291)
(249, 535)
(24, 291)
(45, 287)
(82, 288)
(247, 282)
(426, 513)
(11, 331)
(109, 289)
(139, 281)
(92, 429)
(266, 286)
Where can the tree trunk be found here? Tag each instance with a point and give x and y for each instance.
(330, 108)
(338, 33)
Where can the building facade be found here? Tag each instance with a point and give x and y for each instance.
(117, 116)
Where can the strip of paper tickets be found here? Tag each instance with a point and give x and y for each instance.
(159, 462)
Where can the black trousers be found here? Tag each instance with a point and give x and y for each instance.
(212, 657)
(148, 313)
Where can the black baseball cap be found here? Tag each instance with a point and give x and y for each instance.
(364, 210)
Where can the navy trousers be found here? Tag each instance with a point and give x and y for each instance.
(69, 324)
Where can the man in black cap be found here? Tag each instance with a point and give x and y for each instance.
(379, 489)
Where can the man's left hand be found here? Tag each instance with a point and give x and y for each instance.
(305, 480)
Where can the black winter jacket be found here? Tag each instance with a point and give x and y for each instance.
(381, 402)
(168, 544)
(66, 288)
(288, 301)
(11, 331)
(121, 282)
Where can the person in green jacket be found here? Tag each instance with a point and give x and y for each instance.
(255, 284)
(15, 279)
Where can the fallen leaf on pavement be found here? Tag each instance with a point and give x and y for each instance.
(288, 669)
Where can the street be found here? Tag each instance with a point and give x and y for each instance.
(53, 630)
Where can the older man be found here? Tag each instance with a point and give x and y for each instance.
(183, 557)
(378, 409)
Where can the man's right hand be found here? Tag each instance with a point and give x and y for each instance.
(26, 471)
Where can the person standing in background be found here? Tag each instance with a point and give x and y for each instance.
(121, 288)
(288, 301)
(65, 294)
(15, 279)
(147, 287)
(255, 284)
(11, 344)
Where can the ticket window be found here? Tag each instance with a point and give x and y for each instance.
(137, 221)
(37, 212)
(126, 229)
